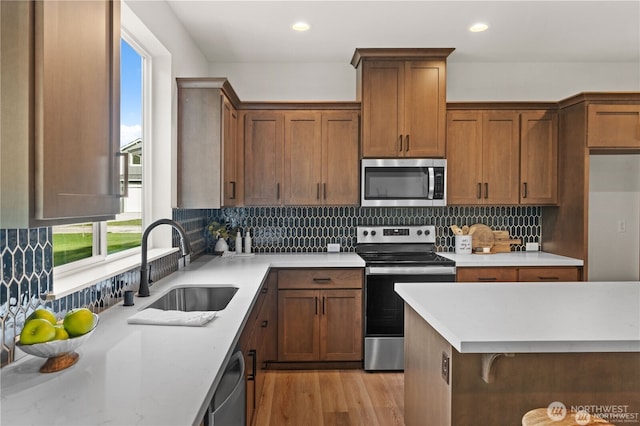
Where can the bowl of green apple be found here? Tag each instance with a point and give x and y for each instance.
(46, 337)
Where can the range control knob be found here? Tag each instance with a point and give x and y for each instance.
(426, 232)
(373, 233)
(419, 232)
(365, 233)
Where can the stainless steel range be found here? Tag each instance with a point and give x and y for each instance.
(394, 254)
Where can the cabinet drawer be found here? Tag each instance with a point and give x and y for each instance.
(486, 274)
(548, 274)
(320, 278)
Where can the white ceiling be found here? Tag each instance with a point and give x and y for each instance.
(520, 31)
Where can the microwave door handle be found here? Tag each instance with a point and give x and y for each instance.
(432, 183)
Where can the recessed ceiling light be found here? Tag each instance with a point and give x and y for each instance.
(301, 26)
(479, 27)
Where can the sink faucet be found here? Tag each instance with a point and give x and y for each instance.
(185, 247)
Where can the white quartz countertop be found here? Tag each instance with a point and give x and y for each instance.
(530, 317)
(149, 374)
(512, 259)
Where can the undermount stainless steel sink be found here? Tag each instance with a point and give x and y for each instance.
(195, 298)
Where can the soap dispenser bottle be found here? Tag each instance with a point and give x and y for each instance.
(247, 242)
(238, 243)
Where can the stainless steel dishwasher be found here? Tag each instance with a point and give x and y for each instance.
(228, 405)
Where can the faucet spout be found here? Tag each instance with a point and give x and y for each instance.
(185, 247)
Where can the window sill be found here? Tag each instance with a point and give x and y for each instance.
(70, 283)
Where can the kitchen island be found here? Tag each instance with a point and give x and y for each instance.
(150, 374)
(482, 353)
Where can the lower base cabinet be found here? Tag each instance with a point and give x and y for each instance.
(257, 343)
(320, 315)
(520, 274)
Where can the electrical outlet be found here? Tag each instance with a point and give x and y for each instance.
(532, 247)
(622, 226)
(445, 367)
(333, 248)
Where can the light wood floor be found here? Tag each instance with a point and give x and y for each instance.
(331, 397)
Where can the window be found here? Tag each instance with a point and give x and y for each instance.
(79, 244)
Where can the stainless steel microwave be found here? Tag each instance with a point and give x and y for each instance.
(410, 182)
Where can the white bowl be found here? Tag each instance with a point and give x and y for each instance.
(58, 347)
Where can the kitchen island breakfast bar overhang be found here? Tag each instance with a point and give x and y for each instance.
(489, 353)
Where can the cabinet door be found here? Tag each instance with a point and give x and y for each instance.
(538, 157)
(464, 157)
(486, 275)
(198, 148)
(229, 154)
(263, 153)
(424, 109)
(341, 325)
(340, 162)
(298, 325)
(613, 126)
(302, 158)
(501, 157)
(77, 92)
(382, 108)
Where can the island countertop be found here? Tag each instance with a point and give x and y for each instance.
(530, 317)
(149, 374)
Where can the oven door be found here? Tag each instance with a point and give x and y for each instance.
(384, 313)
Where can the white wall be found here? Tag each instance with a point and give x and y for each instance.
(466, 81)
(614, 217)
(154, 27)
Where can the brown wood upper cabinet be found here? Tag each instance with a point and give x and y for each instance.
(483, 157)
(403, 96)
(61, 112)
(305, 157)
(613, 126)
(502, 157)
(207, 151)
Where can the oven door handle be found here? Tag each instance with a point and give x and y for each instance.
(410, 270)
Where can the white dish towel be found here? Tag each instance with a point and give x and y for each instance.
(152, 316)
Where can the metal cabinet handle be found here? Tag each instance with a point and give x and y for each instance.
(487, 279)
(400, 149)
(321, 280)
(278, 191)
(479, 190)
(264, 323)
(316, 299)
(549, 278)
(264, 290)
(253, 354)
(233, 190)
(318, 191)
(486, 190)
(406, 145)
(125, 186)
(323, 305)
(324, 190)
(524, 190)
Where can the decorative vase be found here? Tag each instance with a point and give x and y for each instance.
(221, 245)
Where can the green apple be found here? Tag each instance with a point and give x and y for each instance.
(43, 314)
(61, 333)
(37, 330)
(78, 322)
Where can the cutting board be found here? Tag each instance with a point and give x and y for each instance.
(502, 242)
(482, 236)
